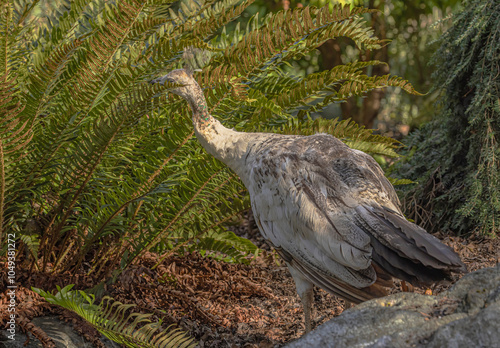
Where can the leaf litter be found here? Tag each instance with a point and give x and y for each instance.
(219, 304)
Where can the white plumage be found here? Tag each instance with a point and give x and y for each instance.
(327, 209)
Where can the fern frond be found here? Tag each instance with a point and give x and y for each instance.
(372, 148)
(397, 182)
(13, 52)
(69, 25)
(32, 242)
(325, 81)
(292, 34)
(15, 133)
(354, 87)
(114, 320)
(357, 137)
(92, 147)
(226, 246)
(45, 83)
(215, 20)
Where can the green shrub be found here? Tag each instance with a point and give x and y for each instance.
(455, 158)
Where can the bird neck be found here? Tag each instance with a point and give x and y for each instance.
(225, 144)
(202, 120)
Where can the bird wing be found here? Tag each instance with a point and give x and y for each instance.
(331, 211)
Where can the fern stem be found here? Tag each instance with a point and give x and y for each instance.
(106, 251)
(6, 40)
(64, 251)
(119, 249)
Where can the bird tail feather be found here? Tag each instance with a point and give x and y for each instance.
(344, 290)
(404, 249)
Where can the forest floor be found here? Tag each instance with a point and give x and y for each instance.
(220, 304)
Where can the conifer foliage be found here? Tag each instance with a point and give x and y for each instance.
(456, 158)
(97, 166)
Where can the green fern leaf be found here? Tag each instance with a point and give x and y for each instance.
(226, 246)
(397, 182)
(114, 320)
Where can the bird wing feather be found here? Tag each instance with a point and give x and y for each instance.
(331, 210)
(304, 208)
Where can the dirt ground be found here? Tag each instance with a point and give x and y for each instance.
(220, 304)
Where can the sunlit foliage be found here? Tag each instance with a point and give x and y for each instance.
(99, 166)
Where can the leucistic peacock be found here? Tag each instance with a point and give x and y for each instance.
(327, 209)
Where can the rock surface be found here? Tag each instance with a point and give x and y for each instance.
(465, 316)
(61, 333)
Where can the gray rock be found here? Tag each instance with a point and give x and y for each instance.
(465, 316)
(61, 333)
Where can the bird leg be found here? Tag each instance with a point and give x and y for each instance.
(307, 301)
(305, 290)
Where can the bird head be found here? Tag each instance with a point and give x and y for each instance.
(182, 77)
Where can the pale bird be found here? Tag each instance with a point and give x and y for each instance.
(327, 209)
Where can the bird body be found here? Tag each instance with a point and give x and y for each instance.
(327, 209)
